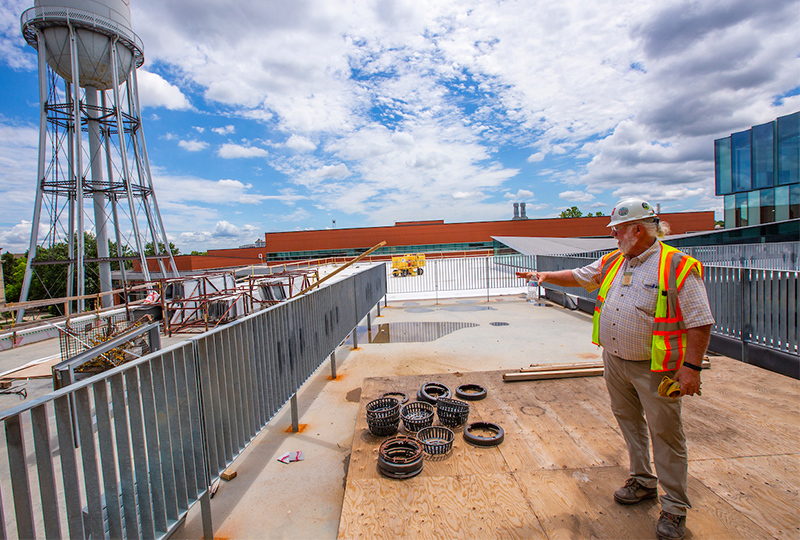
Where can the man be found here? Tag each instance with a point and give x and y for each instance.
(652, 319)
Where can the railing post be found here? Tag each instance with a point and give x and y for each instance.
(333, 365)
(355, 338)
(436, 281)
(745, 325)
(378, 305)
(205, 512)
(295, 414)
(205, 497)
(487, 280)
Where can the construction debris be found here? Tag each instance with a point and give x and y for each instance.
(228, 474)
(291, 457)
(552, 374)
(539, 372)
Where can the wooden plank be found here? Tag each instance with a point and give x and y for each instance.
(558, 367)
(764, 488)
(559, 374)
(40, 370)
(453, 507)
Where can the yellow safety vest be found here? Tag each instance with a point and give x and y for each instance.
(669, 330)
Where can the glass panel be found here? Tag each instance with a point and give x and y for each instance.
(789, 149)
(767, 205)
(794, 201)
(722, 165)
(741, 210)
(730, 211)
(763, 156)
(753, 207)
(782, 203)
(740, 160)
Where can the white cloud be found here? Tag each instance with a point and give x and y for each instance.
(467, 195)
(155, 91)
(14, 51)
(233, 151)
(193, 145)
(576, 196)
(16, 239)
(331, 171)
(222, 234)
(199, 129)
(300, 143)
(538, 156)
(183, 189)
(520, 195)
(226, 130)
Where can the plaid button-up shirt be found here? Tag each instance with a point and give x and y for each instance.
(626, 322)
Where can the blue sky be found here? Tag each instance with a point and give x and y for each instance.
(265, 115)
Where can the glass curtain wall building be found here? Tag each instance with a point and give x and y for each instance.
(758, 173)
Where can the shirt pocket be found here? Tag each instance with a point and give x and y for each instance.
(646, 299)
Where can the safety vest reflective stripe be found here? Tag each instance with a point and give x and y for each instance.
(609, 266)
(669, 330)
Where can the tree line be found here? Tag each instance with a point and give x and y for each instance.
(576, 212)
(50, 280)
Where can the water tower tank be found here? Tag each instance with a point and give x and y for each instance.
(97, 24)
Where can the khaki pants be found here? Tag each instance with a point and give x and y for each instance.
(633, 389)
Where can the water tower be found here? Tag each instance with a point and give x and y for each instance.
(93, 171)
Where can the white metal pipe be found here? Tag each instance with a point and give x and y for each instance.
(40, 171)
(137, 109)
(78, 166)
(98, 194)
(126, 174)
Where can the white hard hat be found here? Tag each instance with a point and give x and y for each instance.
(631, 209)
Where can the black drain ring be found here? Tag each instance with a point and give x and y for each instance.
(400, 458)
(471, 392)
(402, 397)
(432, 391)
(484, 441)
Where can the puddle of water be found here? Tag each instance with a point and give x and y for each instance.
(414, 332)
(464, 307)
(420, 310)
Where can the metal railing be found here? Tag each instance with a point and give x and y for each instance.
(775, 256)
(470, 274)
(154, 433)
(752, 305)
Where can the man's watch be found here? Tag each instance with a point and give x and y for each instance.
(693, 366)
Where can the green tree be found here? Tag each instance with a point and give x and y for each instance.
(8, 262)
(571, 213)
(148, 248)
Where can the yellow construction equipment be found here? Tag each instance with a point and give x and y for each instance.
(408, 265)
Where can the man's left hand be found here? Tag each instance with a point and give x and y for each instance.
(689, 379)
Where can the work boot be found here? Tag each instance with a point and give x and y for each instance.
(670, 526)
(633, 492)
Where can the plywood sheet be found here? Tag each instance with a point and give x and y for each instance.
(452, 507)
(764, 488)
(563, 456)
(579, 503)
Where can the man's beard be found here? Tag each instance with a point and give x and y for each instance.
(626, 244)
